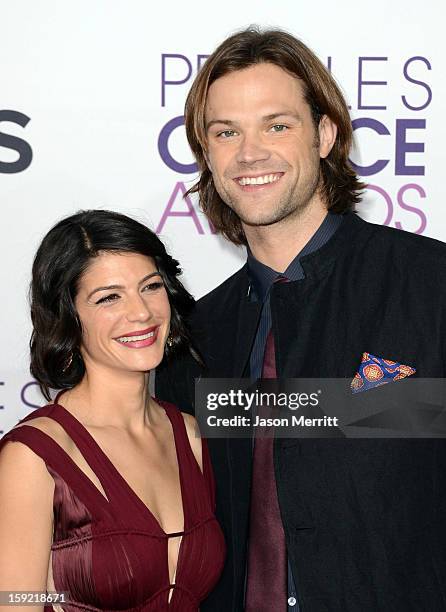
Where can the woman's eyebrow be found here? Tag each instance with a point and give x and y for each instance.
(109, 287)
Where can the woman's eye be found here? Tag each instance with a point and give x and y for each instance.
(108, 298)
(153, 286)
(279, 128)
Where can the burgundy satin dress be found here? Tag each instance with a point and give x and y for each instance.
(111, 554)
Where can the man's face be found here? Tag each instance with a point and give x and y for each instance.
(262, 146)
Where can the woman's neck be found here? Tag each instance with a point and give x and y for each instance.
(112, 398)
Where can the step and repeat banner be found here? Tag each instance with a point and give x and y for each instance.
(91, 116)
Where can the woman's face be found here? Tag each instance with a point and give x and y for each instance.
(125, 313)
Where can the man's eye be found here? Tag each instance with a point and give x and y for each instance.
(153, 286)
(226, 134)
(108, 298)
(279, 128)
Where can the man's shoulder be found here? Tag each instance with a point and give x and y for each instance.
(229, 289)
(411, 246)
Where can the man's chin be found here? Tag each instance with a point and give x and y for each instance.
(262, 221)
(254, 218)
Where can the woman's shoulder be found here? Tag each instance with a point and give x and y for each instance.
(39, 419)
(27, 494)
(18, 459)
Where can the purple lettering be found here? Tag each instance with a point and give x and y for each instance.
(164, 82)
(190, 212)
(212, 227)
(421, 83)
(163, 148)
(361, 82)
(23, 394)
(200, 61)
(402, 146)
(379, 128)
(388, 201)
(405, 206)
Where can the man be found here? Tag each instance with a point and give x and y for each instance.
(349, 525)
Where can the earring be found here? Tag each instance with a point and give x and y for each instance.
(68, 362)
(169, 341)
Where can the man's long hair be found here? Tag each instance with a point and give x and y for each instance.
(340, 186)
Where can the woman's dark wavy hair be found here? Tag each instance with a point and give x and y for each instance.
(340, 184)
(63, 256)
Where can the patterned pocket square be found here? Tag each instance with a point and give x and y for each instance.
(376, 371)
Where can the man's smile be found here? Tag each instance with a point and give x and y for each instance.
(253, 183)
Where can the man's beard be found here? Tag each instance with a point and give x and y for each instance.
(290, 204)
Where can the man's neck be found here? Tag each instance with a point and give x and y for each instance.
(277, 245)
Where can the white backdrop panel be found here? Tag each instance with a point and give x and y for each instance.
(88, 87)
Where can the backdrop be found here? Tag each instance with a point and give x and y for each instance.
(91, 103)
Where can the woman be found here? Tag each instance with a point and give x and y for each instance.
(106, 494)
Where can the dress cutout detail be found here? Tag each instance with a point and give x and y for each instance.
(110, 553)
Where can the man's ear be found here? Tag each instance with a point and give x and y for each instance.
(327, 135)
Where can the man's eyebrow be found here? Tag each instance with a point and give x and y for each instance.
(284, 113)
(227, 122)
(110, 287)
(265, 119)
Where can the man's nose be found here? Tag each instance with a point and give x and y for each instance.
(252, 149)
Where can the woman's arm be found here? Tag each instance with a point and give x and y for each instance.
(26, 510)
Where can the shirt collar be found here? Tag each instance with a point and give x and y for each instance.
(262, 276)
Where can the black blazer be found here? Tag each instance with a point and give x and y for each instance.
(365, 520)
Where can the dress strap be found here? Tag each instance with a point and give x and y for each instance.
(208, 473)
(196, 485)
(87, 445)
(60, 462)
(180, 432)
(121, 497)
(84, 441)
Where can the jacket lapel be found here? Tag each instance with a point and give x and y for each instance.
(231, 338)
(228, 357)
(248, 320)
